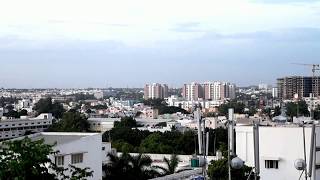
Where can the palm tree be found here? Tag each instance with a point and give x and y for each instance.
(172, 165)
(129, 167)
(141, 167)
(117, 168)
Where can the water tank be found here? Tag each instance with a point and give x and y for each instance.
(195, 163)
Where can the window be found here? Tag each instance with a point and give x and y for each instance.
(45, 116)
(271, 164)
(76, 158)
(59, 160)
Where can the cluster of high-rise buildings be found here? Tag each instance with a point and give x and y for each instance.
(301, 86)
(215, 90)
(155, 91)
(209, 91)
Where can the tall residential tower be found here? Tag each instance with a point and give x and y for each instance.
(155, 90)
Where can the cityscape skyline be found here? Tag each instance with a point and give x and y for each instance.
(126, 44)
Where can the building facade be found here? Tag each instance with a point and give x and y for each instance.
(304, 86)
(81, 150)
(155, 91)
(209, 91)
(13, 128)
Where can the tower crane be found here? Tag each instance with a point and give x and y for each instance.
(315, 67)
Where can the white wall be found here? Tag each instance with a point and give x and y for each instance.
(91, 146)
(285, 143)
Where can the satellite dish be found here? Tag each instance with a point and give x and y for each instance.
(300, 164)
(237, 163)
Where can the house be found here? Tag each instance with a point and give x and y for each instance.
(78, 149)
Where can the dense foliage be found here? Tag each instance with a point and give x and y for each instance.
(25, 159)
(171, 165)
(7, 100)
(71, 122)
(46, 106)
(237, 106)
(161, 105)
(293, 108)
(126, 166)
(170, 142)
(126, 122)
(218, 170)
(15, 114)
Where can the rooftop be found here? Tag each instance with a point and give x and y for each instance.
(59, 137)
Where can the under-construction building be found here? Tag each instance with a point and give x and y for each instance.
(303, 86)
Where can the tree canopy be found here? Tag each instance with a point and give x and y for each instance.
(170, 142)
(218, 170)
(46, 106)
(26, 159)
(294, 108)
(128, 122)
(71, 122)
(126, 166)
(237, 106)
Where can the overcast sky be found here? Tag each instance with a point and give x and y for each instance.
(126, 43)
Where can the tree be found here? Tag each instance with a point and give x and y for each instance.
(141, 167)
(277, 111)
(117, 168)
(218, 170)
(46, 106)
(27, 159)
(237, 106)
(71, 122)
(126, 122)
(126, 166)
(293, 109)
(171, 165)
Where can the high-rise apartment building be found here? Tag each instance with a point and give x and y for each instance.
(192, 92)
(209, 90)
(301, 85)
(155, 90)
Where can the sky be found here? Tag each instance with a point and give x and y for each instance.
(126, 43)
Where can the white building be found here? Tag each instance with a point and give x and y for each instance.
(275, 92)
(178, 102)
(12, 128)
(280, 147)
(102, 124)
(98, 94)
(78, 149)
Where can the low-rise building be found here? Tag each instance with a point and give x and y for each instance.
(78, 149)
(102, 124)
(12, 128)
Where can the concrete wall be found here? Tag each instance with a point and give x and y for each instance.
(91, 147)
(283, 143)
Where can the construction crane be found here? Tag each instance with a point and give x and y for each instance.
(315, 67)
